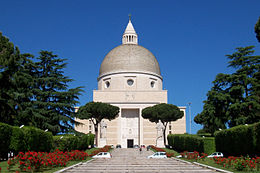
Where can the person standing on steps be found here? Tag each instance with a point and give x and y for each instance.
(140, 149)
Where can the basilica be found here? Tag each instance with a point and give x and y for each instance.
(130, 78)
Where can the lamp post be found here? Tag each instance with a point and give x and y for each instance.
(190, 115)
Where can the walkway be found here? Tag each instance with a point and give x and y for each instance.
(132, 161)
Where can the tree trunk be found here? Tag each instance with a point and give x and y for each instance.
(96, 133)
(164, 139)
(164, 130)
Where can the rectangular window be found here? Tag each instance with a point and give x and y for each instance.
(170, 127)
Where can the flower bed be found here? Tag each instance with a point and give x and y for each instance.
(35, 161)
(190, 155)
(39, 161)
(98, 150)
(162, 150)
(239, 163)
(235, 163)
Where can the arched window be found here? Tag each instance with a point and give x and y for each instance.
(107, 84)
(152, 84)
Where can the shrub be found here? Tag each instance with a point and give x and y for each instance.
(185, 142)
(17, 143)
(5, 135)
(239, 140)
(37, 140)
(66, 142)
(91, 139)
(71, 142)
(85, 140)
(170, 140)
(256, 131)
(209, 146)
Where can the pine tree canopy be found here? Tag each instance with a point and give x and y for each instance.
(35, 92)
(234, 98)
(162, 112)
(96, 112)
(257, 29)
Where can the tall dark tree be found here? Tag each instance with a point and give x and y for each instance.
(96, 112)
(234, 98)
(35, 93)
(53, 103)
(9, 57)
(213, 117)
(14, 82)
(162, 112)
(244, 86)
(257, 30)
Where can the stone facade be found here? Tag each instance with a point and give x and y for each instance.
(130, 78)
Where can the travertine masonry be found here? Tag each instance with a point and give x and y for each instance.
(130, 78)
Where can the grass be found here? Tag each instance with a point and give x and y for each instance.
(4, 165)
(171, 151)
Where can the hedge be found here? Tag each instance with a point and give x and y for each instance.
(185, 142)
(66, 142)
(71, 142)
(37, 140)
(24, 139)
(17, 143)
(17, 139)
(257, 137)
(5, 135)
(85, 141)
(240, 140)
(209, 145)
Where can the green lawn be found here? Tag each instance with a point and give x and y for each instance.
(4, 165)
(171, 151)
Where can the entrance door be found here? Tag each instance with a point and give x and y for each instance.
(130, 143)
(129, 126)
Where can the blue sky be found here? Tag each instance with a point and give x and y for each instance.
(189, 38)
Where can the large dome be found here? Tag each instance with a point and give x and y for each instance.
(129, 58)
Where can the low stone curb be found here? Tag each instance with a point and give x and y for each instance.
(206, 166)
(184, 161)
(72, 166)
(210, 167)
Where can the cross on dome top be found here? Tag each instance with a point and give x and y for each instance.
(130, 36)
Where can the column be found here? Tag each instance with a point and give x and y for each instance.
(119, 129)
(141, 136)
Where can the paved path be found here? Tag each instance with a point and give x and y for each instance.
(132, 161)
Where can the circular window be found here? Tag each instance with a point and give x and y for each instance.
(107, 84)
(130, 82)
(152, 84)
